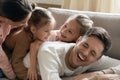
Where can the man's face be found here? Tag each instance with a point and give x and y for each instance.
(86, 51)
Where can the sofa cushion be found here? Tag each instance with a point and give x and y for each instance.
(109, 21)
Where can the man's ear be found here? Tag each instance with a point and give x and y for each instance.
(78, 39)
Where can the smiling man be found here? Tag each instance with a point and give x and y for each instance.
(57, 59)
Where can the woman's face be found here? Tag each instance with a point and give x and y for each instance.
(15, 24)
(20, 23)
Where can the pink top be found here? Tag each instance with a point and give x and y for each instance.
(4, 62)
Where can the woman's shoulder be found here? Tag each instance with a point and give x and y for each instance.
(16, 35)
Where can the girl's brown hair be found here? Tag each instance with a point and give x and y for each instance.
(40, 17)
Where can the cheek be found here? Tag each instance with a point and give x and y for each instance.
(41, 34)
(71, 37)
(44, 35)
(38, 34)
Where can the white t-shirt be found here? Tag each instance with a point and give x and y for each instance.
(116, 69)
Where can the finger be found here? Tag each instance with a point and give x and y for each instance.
(36, 77)
(28, 75)
(31, 76)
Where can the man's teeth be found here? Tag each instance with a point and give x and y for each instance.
(81, 57)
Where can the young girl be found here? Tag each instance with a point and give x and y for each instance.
(75, 26)
(28, 39)
(12, 14)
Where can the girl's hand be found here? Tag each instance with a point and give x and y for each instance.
(32, 74)
(32, 71)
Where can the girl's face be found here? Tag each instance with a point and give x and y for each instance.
(43, 32)
(69, 32)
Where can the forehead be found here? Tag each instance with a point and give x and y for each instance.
(72, 23)
(92, 39)
(46, 26)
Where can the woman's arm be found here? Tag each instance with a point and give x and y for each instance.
(18, 54)
(5, 65)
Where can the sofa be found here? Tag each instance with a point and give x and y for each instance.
(109, 21)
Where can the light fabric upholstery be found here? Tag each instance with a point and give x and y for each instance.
(109, 21)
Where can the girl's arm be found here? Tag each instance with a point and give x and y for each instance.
(32, 71)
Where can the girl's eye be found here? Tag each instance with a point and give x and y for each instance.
(65, 26)
(70, 31)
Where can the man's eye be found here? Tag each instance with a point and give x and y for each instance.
(93, 53)
(85, 45)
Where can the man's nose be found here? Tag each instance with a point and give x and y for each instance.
(86, 53)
